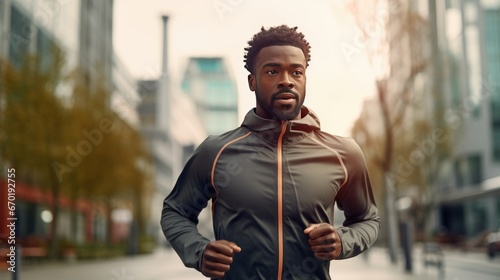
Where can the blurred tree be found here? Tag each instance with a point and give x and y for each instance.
(64, 138)
(399, 130)
(33, 124)
(109, 172)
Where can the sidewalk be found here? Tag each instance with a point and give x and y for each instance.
(376, 266)
(166, 265)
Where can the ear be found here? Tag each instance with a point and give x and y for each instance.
(251, 82)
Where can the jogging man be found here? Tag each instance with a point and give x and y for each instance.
(273, 181)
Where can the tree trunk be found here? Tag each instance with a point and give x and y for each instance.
(389, 190)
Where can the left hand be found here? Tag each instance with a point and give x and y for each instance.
(324, 241)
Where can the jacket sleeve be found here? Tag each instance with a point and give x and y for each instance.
(362, 222)
(182, 206)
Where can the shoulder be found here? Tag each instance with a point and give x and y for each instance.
(346, 147)
(343, 144)
(214, 143)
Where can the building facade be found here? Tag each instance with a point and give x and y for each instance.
(34, 26)
(208, 82)
(469, 39)
(171, 129)
(457, 94)
(96, 53)
(82, 29)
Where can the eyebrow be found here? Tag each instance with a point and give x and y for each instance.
(275, 64)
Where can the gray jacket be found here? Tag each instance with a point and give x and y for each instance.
(267, 181)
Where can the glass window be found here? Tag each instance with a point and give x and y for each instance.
(498, 214)
(468, 170)
(492, 52)
(210, 65)
(44, 49)
(20, 34)
(496, 141)
(456, 89)
(452, 219)
(460, 170)
(221, 93)
(474, 169)
(479, 217)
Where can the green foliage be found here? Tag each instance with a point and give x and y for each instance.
(97, 250)
(64, 138)
(147, 244)
(31, 119)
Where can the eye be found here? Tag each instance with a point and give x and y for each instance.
(297, 73)
(271, 72)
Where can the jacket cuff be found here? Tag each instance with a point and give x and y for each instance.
(199, 255)
(339, 233)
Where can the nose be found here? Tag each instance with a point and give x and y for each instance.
(285, 81)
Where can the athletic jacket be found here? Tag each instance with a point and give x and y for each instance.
(267, 181)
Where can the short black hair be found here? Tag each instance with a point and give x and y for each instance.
(275, 36)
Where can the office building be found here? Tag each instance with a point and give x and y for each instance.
(208, 82)
(171, 129)
(82, 29)
(469, 204)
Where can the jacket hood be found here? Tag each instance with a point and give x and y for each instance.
(307, 123)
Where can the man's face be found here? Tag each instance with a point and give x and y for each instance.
(279, 82)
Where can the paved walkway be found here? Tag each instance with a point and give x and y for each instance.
(375, 265)
(165, 264)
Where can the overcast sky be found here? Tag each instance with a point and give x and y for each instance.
(337, 81)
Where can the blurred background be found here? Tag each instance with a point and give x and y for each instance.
(102, 102)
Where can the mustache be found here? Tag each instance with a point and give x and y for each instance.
(283, 90)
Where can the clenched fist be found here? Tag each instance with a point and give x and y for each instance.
(218, 257)
(324, 241)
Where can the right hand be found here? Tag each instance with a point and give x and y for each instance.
(218, 257)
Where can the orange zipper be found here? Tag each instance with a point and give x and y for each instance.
(280, 200)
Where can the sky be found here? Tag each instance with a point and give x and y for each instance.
(339, 77)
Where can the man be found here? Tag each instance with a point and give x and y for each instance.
(273, 181)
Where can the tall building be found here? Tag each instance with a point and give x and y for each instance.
(34, 26)
(169, 149)
(491, 23)
(82, 29)
(96, 45)
(125, 96)
(208, 82)
(172, 130)
(457, 93)
(469, 38)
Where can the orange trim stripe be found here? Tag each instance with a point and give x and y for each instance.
(212, 175)
(340, 160)
(280, 201)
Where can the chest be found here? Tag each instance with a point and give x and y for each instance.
(253, 175)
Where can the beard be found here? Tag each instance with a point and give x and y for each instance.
(276, 113)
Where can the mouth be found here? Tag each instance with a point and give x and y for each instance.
(285, 96)
(285, 100)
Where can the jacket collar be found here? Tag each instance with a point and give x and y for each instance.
(303, 126)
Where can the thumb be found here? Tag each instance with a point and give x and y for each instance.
(233, 246)
(310, 228)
